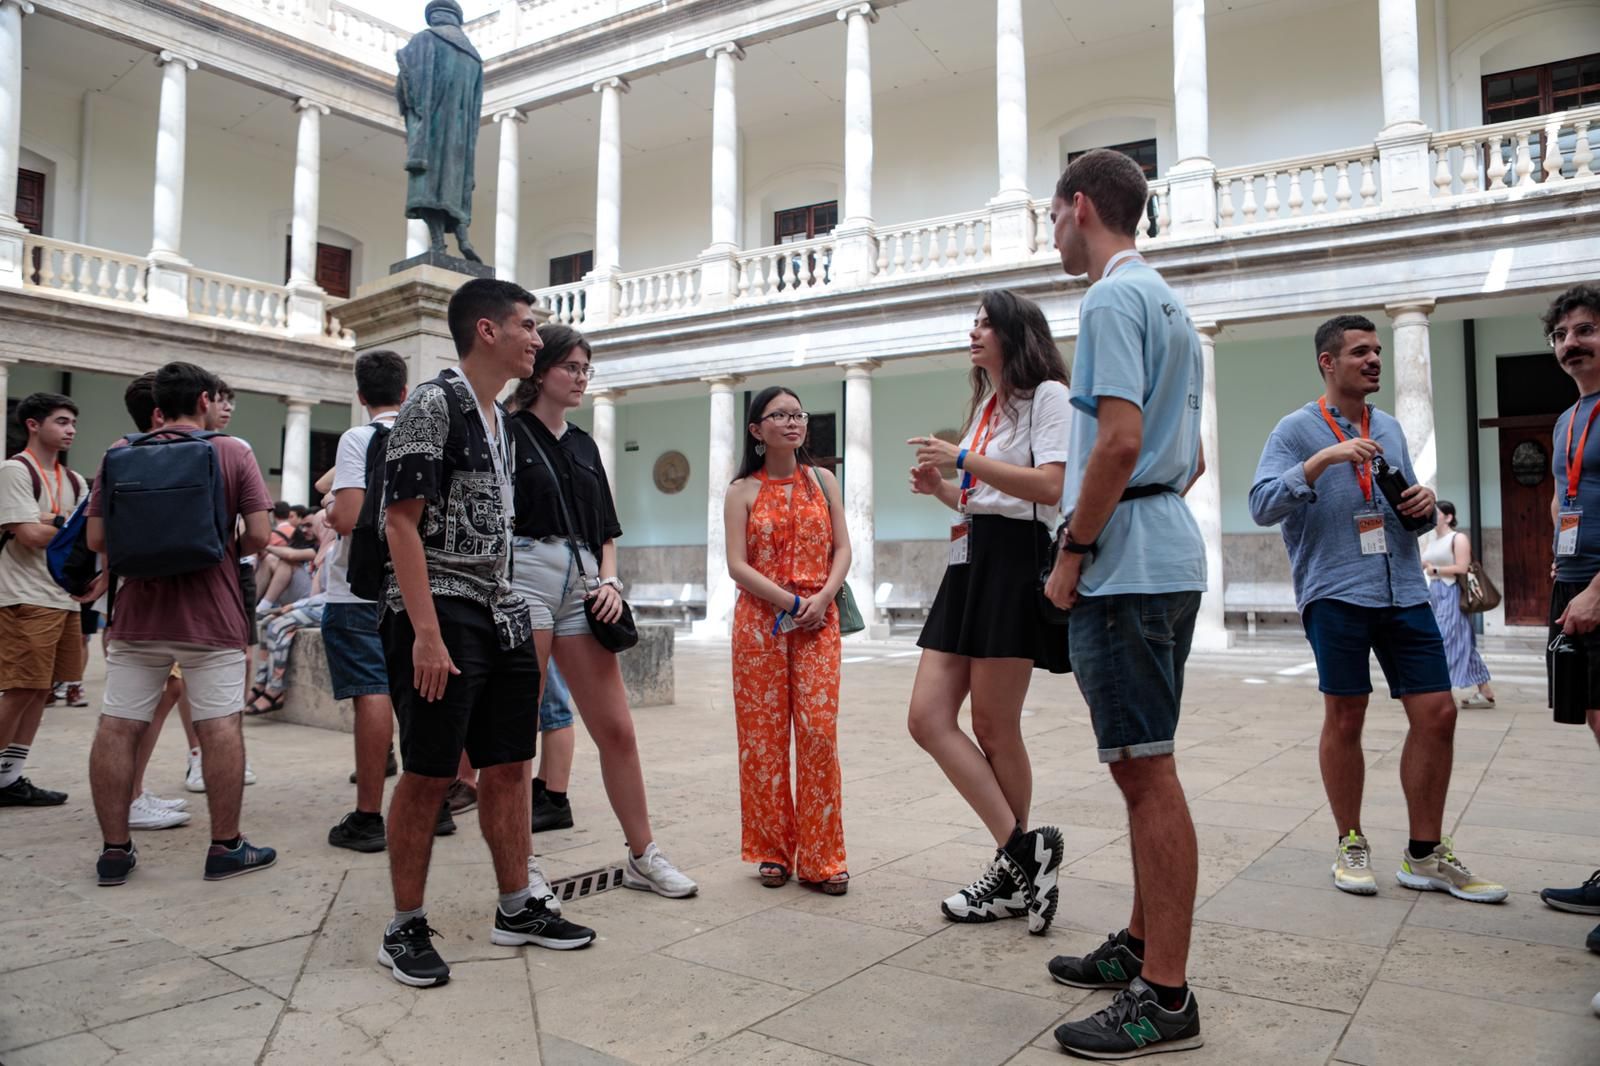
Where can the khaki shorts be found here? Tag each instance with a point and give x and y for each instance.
(39, 646)
(137, 671)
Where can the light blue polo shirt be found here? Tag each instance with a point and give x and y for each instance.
(1136, 343)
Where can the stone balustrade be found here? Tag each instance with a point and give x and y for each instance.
(238, 302)
(1329, 182)
(84, 273)
(664, 290)
(1543, 150)
(934, 246)
(354, 27)
(789, 270)
(564, 302)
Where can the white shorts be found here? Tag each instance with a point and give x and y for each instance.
(137, 670)
(543, 571)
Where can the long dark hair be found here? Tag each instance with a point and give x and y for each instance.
(559, 341)
(1028, 353)
(758, 407)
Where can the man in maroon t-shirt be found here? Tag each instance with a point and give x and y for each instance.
(196, 620)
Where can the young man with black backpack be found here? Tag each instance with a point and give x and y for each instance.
(41, 641)
(164, 510)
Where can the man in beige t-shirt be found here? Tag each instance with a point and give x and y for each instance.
(40, 638)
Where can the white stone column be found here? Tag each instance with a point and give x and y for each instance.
(1413, 386)
(296, 484)
(168, 283)
(721, 464)
(1404, 174)
(1011, 225)
(306, 297)
(601, 301)
(719, 273)
(858, 485)
(1191, 180)
(605, 429)
(1205, 502)
(855, 254)
(12, 233)
(509, 195)
(5, 382)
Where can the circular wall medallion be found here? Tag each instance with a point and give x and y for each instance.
(1529, 464)
(671, 472)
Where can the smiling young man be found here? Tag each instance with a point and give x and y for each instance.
(1359, 585)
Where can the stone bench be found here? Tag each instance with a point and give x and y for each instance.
(647, 674)
(1256, 598)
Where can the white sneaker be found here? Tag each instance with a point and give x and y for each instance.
(1596, 1003)
(194, 780)
(249, 774)
(142, 815)
(540, 887)
(654, 872)
(150, 798)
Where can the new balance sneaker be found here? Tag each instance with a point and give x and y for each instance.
(115, 865)
(407, 954)
(1585, 899)
(223, 863)
(1034, 860)
(537, 924)
(539, 885)
(1352, 866)
(654, 872)
(994, 895)
(142, 814)
(461, 797)
(24, 793)
(179, 804)
(1441, 871)
(548, 815)
(193, 779)
(359, 831)
(76, 697)
(1111, 965)
(1133, 1025)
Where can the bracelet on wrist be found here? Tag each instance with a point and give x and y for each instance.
(796, 608)
(961, 459)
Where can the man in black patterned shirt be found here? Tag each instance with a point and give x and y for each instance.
(463, 673)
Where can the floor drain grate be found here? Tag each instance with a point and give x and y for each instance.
(587, 884)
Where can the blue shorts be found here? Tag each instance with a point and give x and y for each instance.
(355, 650)
(555, 706)
(1405, 639)
(1128, 654)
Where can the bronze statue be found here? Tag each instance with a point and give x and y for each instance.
(440, 89)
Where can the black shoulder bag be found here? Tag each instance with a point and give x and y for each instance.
(613, 636)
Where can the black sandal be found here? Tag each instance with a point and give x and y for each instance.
(274, 703)
(837, 885)
(773, 874)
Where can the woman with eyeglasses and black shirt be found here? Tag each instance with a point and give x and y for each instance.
(558, 574)
(984, 635)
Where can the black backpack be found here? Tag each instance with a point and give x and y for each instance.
(166, 505)
(369, 553)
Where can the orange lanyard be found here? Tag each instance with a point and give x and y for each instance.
(980, 445)
(55, 496)
(1363, 470)
(1575, 462)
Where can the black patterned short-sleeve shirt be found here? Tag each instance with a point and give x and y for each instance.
(440, 452)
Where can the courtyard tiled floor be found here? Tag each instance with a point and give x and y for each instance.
(278, 967)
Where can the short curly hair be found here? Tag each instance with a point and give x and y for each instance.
(1579, 296)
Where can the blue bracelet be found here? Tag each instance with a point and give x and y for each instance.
(796, 608)
(961, 459)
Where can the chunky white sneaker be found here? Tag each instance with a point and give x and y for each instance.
(194, 780)
(179, 804)
(143, 816)
(1352, 866)
(540, 887)
(249, 774)
(992, 896)
(654, 872)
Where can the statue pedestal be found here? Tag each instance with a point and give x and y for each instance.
(440, 261)
(406, 313)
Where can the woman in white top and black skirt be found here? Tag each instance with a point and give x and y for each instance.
(985, 635)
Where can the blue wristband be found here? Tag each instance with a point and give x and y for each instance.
(796, 609)
(961, 459)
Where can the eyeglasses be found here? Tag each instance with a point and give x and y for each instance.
(792, 417)
(578, 370)
(1582, 332)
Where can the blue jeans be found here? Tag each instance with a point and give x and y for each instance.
(1128, 654)
(555, 706)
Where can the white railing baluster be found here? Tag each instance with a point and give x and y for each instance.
(1469, 166)
(1553, 160)
(1369, 183)
(1297, 199)
(1341, 191)
(1582, 154)
(1270, 202)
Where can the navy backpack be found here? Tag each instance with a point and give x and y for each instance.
(165, 505)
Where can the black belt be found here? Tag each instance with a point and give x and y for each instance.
(1139, 492)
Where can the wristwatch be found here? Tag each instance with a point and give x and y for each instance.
(1075, 547)
(614, 582)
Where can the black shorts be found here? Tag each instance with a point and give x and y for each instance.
(490, 709)
(1561, 594)
(247, 586)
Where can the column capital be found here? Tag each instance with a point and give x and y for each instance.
(731, 48)
(860, 368)
(1207, 328)
(866, 11)
(723, 382)
(621, 85)
(23, 5)
(301, 402)
(304, 104)
(167, 56)
(607, 396)
(511, 114)
(1424, 308)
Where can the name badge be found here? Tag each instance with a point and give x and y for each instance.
(1567, 523)
(961, 543)
(1369, 527)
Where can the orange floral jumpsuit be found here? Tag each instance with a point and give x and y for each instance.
(789, 679)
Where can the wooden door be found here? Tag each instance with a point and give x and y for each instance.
(30, 200)
(1526, 487)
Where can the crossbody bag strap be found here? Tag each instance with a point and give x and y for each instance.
(827, 505)
(566, 515)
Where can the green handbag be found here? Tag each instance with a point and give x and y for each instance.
(850, 620)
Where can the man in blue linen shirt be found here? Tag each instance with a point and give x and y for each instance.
(1359, 586)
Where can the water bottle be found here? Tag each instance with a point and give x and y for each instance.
(1394, 484)
(1569, 680)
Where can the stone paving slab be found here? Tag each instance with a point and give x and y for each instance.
(279, 967)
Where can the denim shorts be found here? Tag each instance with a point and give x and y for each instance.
(1128, 654)
(354, 649)
(544, 573)
(555, 706)
(1405, 639)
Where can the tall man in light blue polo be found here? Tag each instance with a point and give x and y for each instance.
(1359, 586)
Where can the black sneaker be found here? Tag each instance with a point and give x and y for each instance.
(991, 897)
(1593, 943)
(24, 793)
(549, 815)
(115, 865)
(223, 863)
(1133, 1025)
(359, 831)
(1585, 899)
(1111, 965)
(1034, 860)
(407, 954)
(535, 924)
(389, 770)
(446, 824)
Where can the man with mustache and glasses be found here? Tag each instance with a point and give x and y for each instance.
(1572, 326)
(1359, 586)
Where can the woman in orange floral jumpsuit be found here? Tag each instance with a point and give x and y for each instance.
(789, 551)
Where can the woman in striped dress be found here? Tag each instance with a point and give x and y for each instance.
(1447, 557)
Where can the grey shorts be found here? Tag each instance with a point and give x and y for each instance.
(544, 572)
